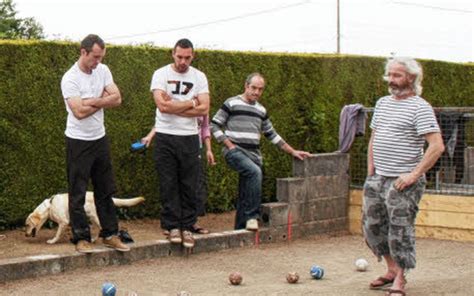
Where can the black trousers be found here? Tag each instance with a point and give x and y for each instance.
(90, 160)
(177, 164)
(201, 189)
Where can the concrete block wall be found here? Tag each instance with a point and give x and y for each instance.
(314, 200)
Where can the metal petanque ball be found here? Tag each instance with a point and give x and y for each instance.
(316, 272)
(108, 289)
(235, 278)
(292, 277)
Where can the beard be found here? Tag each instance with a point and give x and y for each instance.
(181, 68)
(399, 90)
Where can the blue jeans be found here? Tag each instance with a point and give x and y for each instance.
(250, 186)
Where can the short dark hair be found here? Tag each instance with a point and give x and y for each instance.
(184, 43)
(248, 80)
(91, 39)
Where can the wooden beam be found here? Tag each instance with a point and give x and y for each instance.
(445, 233)
(429, 224)
(431, 202)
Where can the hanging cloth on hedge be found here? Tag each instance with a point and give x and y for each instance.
(351, 124)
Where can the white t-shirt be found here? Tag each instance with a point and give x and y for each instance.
(180, 87)
(76, 83)
(399, 128)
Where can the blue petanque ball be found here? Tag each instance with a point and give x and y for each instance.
(108, 289)
(316, 272)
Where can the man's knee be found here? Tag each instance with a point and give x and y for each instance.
(254, 172)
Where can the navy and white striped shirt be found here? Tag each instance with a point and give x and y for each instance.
(243, 124)
(399, 126)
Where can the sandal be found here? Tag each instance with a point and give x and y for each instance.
(395, 292)
(199, 230)
(383, 283)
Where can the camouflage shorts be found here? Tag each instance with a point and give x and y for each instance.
(388, 219)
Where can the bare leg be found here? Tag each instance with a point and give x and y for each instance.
(392, 267)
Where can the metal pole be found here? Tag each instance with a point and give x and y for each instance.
(338, 30)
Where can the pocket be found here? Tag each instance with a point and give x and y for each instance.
(372, 186)
(228, 152)
(372, 177)
(401, 221)
(233, 157)
(371, 180)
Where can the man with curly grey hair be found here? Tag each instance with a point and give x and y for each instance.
(395, 183)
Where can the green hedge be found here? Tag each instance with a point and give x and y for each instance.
(304, 96)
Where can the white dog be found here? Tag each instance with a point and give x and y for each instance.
(56, 208)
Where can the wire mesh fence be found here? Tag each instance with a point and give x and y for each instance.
(453, 173)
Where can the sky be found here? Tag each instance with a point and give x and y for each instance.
(428, 29)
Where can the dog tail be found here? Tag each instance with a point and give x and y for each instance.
(129, 202)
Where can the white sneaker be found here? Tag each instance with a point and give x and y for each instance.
(188, 239)
(175, 236)
(252, 224)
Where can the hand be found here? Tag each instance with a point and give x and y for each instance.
(196, 98)
(404, 181)
(166, 97)
(146, 140)
(210, 158)
(300, 154)
(228, 143)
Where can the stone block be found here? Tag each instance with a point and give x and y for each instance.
(274, 214)
(319, 187)
(223, 240)
(324, 226)
(341, 185)
(327, 208)
(326, 186)
(296, 212)
(291, 190)
(324, 164)
(276, 234)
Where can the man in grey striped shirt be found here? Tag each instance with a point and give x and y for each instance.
(401, 124)
(239, 124)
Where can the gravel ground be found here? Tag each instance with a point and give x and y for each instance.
(444, 268)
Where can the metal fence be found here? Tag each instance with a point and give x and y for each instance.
(454, 171)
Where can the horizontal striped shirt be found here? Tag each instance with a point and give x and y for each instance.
(243, 124)
(399, 126)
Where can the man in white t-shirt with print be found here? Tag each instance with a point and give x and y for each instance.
(401, 124)
(88, 88)
(181, 94)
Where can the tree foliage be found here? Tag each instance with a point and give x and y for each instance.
(12, 27)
